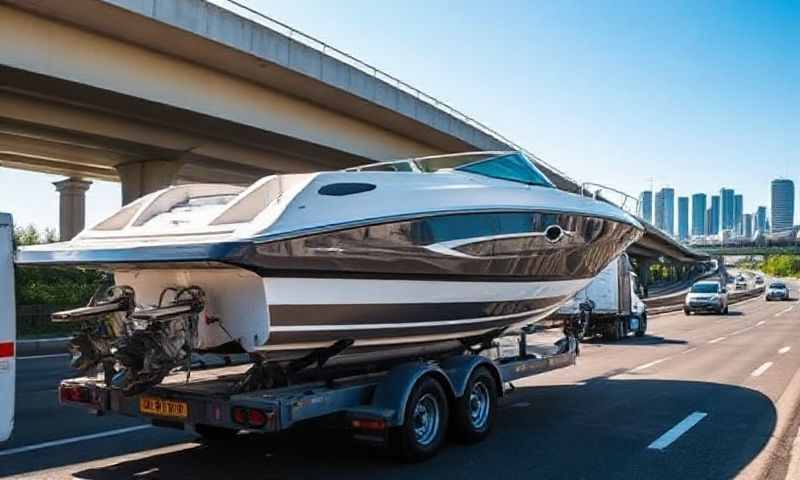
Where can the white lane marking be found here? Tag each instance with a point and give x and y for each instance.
(784, 311)
(66, 441)
(760, 370)
(784, 350)
(718, 339)
(689, 350)
(648, 365)
(51, 355)
(675, 432)
(579, 384)
(762, 322)
(737, 332)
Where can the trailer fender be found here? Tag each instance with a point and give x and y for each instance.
(459, 369)
(393, 392)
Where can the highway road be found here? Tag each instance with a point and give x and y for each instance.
(699, 397)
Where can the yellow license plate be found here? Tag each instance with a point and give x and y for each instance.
(163, 408)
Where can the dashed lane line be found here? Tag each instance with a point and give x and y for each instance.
(786, 310)
(760, 370)
(688, 350)
(718, 339)
(675, 432)
(762, 322)
(648, 365)
(784, 350)
(51, 355)
(66, 441)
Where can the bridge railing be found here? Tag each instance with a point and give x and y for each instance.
(610, 194)
(379, 74)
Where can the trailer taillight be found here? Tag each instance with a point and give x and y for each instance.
(251, 417)
(256, 418)
(75, 393)
(6, 349)
(239, 415)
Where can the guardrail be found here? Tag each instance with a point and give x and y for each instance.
(379, 74)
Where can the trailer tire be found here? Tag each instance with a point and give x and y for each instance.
(642, 326)
(474, 412)
(422, 433)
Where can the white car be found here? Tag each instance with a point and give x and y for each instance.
(777, 291)
(707, 296)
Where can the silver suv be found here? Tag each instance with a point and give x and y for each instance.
(706, 296)
(777, 291)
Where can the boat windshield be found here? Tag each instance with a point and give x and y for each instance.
(512, 166)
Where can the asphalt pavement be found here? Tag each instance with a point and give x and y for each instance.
(698, 397)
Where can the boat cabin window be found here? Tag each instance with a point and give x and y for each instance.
(513, 167)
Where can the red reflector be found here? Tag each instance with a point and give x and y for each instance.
(6, 349)
(256, 418)
(240, 415)
(369, 424)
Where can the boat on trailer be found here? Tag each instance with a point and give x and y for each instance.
(404, 259)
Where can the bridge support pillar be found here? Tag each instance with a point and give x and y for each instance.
(140, 178)
(71, 206)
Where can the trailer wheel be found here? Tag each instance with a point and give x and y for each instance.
(422, 433)
(474, 413)
(642, 326)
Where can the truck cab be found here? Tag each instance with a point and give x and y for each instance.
(7, 327)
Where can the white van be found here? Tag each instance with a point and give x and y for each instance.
(8, 327)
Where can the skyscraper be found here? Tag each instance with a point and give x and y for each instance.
(646, 206)
(683, 218)
(727, 219)
(747, 225)
(665, 210)
(738, 211)
(782, 205)
(708, 222)
(713, 229)
(761, 219)
(699, 214)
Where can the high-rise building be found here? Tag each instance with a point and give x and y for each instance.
(761, 220)
(713, 228)
(665, 210)
(738, 212)
(683, 219)
(708, 222)
(646, 206)
(728, 208)
(747, 225)
(782, 205)
(699, 214)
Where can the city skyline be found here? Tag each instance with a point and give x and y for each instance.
(697, 216)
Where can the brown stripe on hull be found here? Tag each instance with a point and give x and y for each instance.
(394, 333)
(289, 315)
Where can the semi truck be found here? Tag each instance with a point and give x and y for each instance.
(609, 306)
(7, 327)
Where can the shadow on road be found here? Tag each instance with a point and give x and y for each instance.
(645, 341)
(597, 430)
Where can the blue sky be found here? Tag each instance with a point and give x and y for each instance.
(696, 95)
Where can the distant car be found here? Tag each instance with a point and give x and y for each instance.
(741, 284)
(706, 296)
(759, 280)
(777, 291)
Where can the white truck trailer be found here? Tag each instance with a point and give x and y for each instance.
(609, 305)
(7, 327)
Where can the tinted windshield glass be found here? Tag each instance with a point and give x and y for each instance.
(705, 288)
(777, 285)
(513, 167)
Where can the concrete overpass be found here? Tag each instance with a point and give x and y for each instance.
(151, 93)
